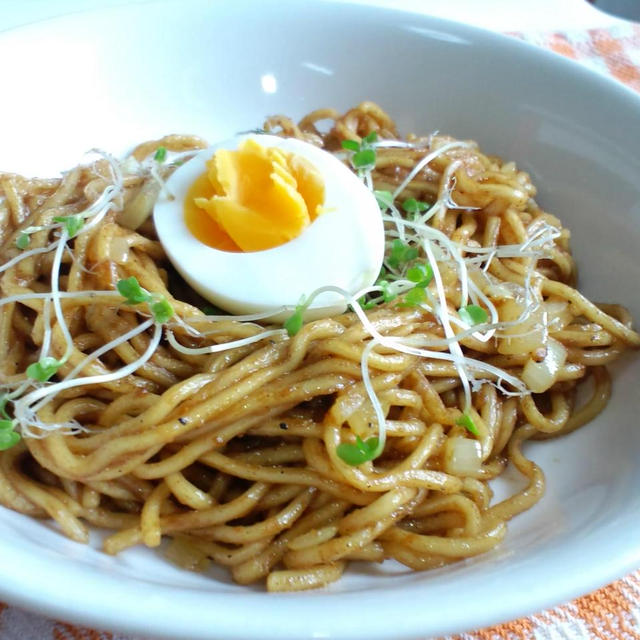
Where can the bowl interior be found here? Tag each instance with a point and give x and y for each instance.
(111, 79)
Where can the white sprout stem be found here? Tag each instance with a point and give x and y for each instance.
(23, 406)
(454, 347)
(375, 402)
(224, 346)
(98, 218)
(397, 219)
(46, 319)
(103, 200)
(76, 262)
(404, 344)
(176, 320)
(94, 355)
(449, 181)
(425, 161)
(444, 200)
(531, 248)
(107, 195)
(456, 255)
(493, 312)
(20, 297)
(224, 331)
(399, 144)
(367, 179)
(18, 391)
(114, 165)
(248, 318)
(153, 170)
(27, 254)
(55, 295)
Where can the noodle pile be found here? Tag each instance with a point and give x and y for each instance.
(232, 454)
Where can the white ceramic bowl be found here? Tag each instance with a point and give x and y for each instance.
(113, 78)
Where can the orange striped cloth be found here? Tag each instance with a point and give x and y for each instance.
(611, 613)
(614, 51)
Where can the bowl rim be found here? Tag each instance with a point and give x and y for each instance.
(101, 609)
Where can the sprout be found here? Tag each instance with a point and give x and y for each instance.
(44, 369)
(133, 293)
(472, 314)
(22, 241)
(160, 155)
(465, 421)
(294, 323)
(72, 224)
(400, 254)
(361, 451)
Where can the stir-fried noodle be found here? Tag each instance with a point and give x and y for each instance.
(223, 434)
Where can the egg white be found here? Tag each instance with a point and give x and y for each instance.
(343, 246)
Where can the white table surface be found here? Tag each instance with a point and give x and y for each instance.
(498, 15)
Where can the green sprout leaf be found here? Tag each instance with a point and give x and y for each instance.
(411, 205)
(350, 145)
(369, 139)
(414, 297)
(387, 294)
(465, 421)
(133, 293)
(364, 159)
(42, 370)
(401, 253)
(72, 224)
(384, 198)
(3, 407)
(422, 274)
(160, 155)
(8, 439)
(22, 241)
(361, 451)
(472, 314)
(210, 310)
(294, 323)
(161, 309)
(130, 289)
(364, 154)
(368, 304)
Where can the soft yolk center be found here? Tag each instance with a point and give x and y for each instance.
(253, 199)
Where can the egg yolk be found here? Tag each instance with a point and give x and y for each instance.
(254, 198)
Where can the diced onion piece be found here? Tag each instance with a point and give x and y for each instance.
(527, 335)
(462, 456)
(141, 206)
(558, 314)
(118, 251)
(540, 376)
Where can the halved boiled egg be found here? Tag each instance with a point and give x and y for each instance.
(258, 221)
